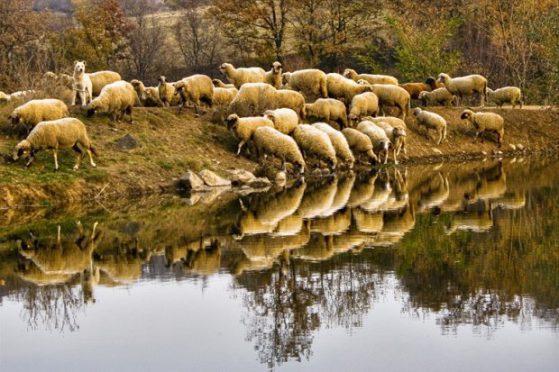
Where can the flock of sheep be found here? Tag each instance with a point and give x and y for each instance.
(267, 111)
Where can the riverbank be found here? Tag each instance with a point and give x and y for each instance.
(150, 155)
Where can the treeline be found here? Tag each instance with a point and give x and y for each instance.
(511, 42)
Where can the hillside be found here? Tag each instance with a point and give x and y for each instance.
(168, 144)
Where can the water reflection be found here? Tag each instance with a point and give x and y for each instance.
(472, 243)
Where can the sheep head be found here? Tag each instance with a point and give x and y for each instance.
(162, 79)
(217, 83)
(416, 111)
(443, 78)
(349, 73)
(277, 67)
(232, 121)
(225, 67)
(22, 149)
(466, 115)
(285, 78)
(14, 118)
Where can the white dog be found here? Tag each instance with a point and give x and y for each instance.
(82, 84)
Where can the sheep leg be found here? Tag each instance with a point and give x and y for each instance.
(240, 147)
(31, 158)
(74, 98)
(394, 155)
(79, 155)
(55, 155)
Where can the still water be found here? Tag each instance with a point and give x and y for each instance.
(439, 267)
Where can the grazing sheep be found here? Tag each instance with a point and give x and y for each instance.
(414, 89)
(116, 99)
(4, 97)
(37, 110)
(83, 86)
(291, 99)
(328, 109)
(310, 82)
(371, 79)
(54, 135)
(285, 119)
(341, 146)
(394, 123)
(149, 97)
(465, 86)
(486, 122)
(396, 137)
(379, 139)
(343, 88)
(253, 99)
(359, 143)
(439, 96)
(270, 141)
(274, 77)
(512, 95)
(195, 89)
(243, 128)
(242, 75)
(220, 84)
(363, 104)
(313, 141)
(100, 79)
(391, 95)
(166, 92)
(430, 120)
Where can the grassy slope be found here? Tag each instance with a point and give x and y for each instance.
(171, 144)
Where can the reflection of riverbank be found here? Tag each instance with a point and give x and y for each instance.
(455, 235)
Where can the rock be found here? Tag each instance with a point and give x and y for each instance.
(484, 153)
(520, 147)
(437, 151)
(281, 178)
(190, 181)
(497, 152)
(316, 172)
(260, 183)
(241, 177)
(325, 172)
(127, 142)
(213, 180)
(512, 147)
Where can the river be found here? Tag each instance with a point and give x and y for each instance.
(435, 267)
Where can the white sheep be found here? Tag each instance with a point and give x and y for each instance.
(394, 123)
(395, 135)
(431, 120)
(253, 99)
(116, 99)
(242, 75)
(290, 99)
(512, 95)
(343, 151)
(343, 88)
(328, 110)
(310, 82)
(100, 79)
(166, 92)
(243, 128)
(439, 96)
(274, 76)
(149, 96)
(83, 87)
(359, 143)
(465, 86)
(224, 96)
(379, 139)
(38, 110)
(55, 135)
(196, 89)
(371, 79)
(363, 104)
(285, 119)
(62, 79)
(270, 141)
(486, 122)
(313, 141)
(391, 95)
